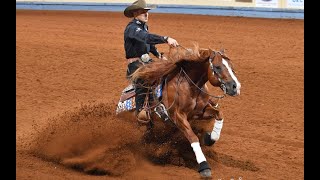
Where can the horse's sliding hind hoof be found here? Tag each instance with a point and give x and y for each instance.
(204, 170)
(207, 139)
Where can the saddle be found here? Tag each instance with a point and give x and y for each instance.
(127, 101)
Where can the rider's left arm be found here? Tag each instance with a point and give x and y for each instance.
(155, 51)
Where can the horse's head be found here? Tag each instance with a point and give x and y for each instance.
(221, 73)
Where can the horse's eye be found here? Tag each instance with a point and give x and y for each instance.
(218, 68)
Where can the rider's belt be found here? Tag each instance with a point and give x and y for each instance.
(131, 60)
(145, 58)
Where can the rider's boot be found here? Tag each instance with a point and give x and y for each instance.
(141, 113)
(141, 92)
(142, 116)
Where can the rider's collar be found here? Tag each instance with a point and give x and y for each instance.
(138, 21)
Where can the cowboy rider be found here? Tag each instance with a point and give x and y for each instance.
(138, 43)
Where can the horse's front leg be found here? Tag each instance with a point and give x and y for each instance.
(211, 137)
(184, 125)
(205, 107)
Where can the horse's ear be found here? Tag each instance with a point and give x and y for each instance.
(222, 50)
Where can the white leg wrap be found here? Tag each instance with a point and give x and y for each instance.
(215, 134)
(198, 152)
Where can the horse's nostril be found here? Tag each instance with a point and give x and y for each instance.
(234, 86)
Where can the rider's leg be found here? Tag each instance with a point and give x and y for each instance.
(141, 92)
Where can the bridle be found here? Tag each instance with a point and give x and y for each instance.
(179, 80)
(216, 72)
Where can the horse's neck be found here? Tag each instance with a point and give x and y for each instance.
(197, 72)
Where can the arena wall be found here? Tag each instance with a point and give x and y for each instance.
(248, 8)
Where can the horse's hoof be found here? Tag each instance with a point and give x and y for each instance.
(204, 169)
(205, 173)
(207, 139)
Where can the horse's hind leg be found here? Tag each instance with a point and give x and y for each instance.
(183, 124)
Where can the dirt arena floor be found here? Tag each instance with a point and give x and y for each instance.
(70, 70)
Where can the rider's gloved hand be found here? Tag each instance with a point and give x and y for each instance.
(172, 42)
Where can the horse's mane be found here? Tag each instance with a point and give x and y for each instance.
(177, 56)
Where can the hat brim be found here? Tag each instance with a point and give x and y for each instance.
(128, 12)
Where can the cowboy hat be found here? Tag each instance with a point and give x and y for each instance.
(139, 4)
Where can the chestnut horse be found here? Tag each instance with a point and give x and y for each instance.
(185, 93)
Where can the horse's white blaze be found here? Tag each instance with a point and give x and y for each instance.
(198, 152)
(232, 75)
(215, 134)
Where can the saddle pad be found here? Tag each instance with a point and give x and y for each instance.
(158, 91)
(130, 87)
(127, 98)
(126, 105)
(127, 95)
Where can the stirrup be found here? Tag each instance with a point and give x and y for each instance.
(161, 111)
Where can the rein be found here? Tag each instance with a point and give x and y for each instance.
(190, 80)
(179, 80)
(212, 68)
